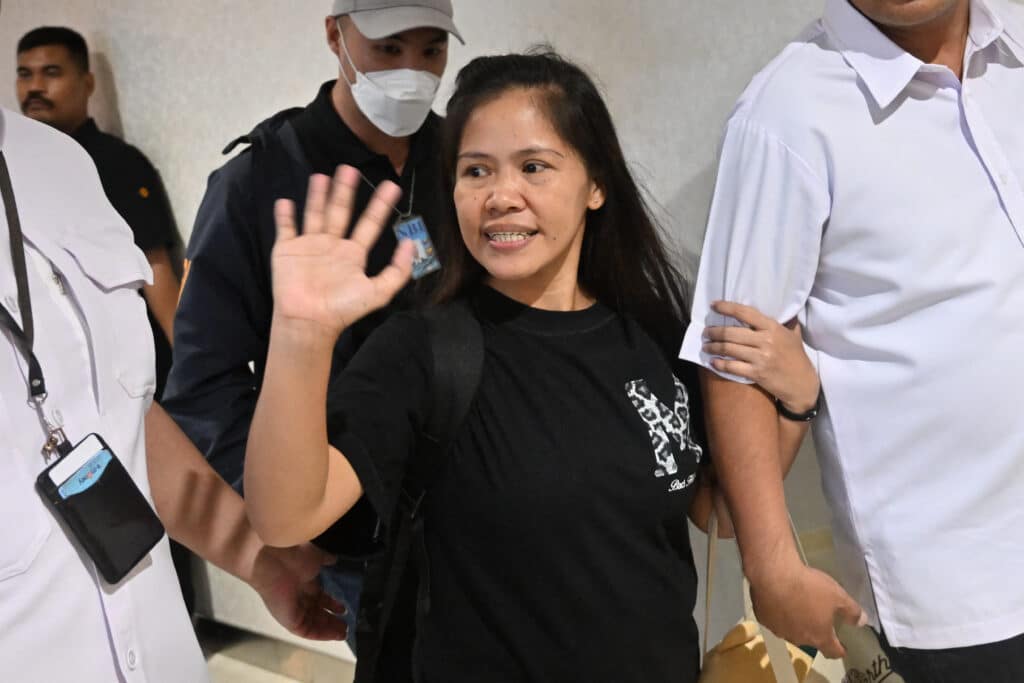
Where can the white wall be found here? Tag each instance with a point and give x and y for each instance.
(181, 78)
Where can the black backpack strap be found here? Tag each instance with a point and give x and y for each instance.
(457, 353)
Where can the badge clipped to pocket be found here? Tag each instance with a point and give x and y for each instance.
(98, 500)
(425, 261)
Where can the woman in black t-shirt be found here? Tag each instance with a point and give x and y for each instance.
(557, 535)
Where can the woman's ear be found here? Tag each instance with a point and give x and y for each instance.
(596, 196)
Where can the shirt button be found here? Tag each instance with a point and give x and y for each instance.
(133, 661)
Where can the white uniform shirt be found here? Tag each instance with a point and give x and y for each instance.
(882, 202)
(59, 621)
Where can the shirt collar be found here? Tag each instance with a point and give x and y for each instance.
(328, 141)
(325, 137)
(988, 27)
(86, 130)
(885, 67)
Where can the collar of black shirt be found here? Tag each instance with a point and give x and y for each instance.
(328, 142)
(86, 131)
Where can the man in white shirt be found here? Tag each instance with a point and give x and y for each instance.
(871, 184)
(59, 619)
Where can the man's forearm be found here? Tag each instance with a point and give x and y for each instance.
(791, 436)
(162, 295)
(743, 433)
(197, 507)
(202, 512)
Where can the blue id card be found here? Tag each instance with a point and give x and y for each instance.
(86, 475)
(425, 261)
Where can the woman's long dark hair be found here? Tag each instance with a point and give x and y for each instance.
(624, 263)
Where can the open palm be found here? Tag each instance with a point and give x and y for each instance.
(320, 276)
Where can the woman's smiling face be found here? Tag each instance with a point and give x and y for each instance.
(522, 195)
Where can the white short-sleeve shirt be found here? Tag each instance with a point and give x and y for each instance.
(60, 621)
(881, 201)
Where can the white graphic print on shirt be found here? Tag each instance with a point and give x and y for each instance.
(664, 426)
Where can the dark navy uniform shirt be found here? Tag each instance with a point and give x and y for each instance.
(222, 326)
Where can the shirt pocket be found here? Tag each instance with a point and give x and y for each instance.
(24, 527)
(24, 521)
(138, 382)
(135, 365)
(118, 270)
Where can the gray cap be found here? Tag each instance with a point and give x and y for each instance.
(382, 18)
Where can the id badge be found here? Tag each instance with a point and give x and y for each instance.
(415, 229)
(105, 511)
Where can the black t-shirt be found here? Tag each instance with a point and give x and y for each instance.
(557, 536)
(137, 193)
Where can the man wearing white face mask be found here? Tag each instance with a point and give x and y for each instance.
(377, 117)
(396, 101)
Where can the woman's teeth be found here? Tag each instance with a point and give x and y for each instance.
(508, 236)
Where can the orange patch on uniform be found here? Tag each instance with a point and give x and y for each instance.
(144, 192)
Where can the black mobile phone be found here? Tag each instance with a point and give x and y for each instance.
(98, 500)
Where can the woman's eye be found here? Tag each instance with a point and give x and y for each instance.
(390, 50)
(533, 167)
(474, 172)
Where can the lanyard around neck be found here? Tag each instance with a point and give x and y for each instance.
(24, 334)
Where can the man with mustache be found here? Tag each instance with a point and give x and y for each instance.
(54, 84)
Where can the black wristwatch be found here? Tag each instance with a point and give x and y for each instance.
(805, 416)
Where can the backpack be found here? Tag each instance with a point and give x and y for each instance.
(395, 593)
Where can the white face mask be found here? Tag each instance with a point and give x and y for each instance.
(397, 101)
